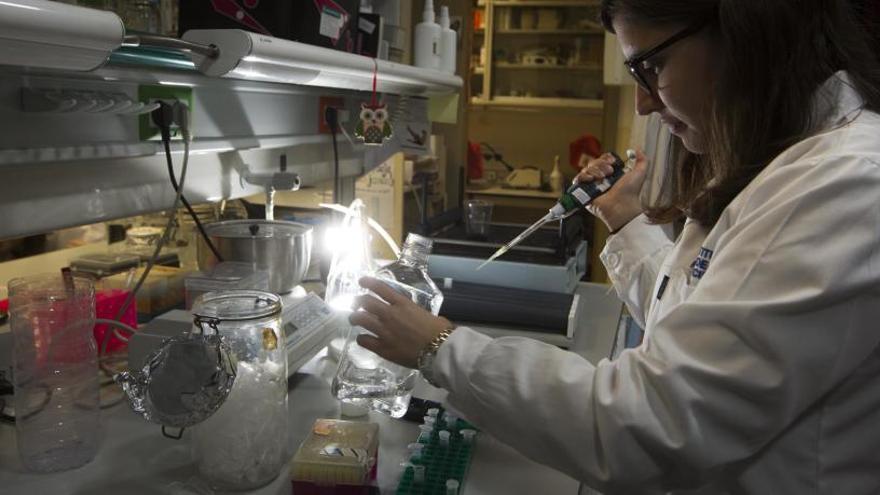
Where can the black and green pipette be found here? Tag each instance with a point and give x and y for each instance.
(574, 198)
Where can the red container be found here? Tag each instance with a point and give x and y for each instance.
(107, 304)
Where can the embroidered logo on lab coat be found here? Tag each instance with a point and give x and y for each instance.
(701, 264)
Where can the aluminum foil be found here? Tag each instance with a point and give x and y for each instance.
(184, 381)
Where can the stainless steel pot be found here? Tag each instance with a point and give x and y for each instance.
(284, 249)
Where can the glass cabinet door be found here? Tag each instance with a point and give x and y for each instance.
(539, 52)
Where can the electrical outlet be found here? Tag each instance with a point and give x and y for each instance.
(325, 102)
(149, 94)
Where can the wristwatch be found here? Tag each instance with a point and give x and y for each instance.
(427, 355)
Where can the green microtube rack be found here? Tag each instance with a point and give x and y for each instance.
(441, 463)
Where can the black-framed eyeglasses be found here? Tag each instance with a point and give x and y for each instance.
(646, 80)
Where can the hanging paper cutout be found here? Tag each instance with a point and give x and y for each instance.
(373, 127)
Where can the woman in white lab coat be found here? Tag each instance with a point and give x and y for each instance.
(760, 368)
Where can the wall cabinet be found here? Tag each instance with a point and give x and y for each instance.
(538, 53)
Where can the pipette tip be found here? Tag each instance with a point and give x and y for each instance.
(493, 257)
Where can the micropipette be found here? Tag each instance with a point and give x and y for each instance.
(575, 197)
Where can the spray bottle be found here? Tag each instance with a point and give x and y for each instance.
(447, 43)
(427, 40)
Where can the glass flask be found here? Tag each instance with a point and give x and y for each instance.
(352, 260)
(243, 445)
(364, 378)
(55, 363)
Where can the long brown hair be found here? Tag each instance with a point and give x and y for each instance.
(773, 55)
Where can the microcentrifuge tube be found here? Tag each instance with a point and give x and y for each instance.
(430, 420)
(415, 451)
(433, 412)
(419, 474)
(407, 466)
(467, 436)
(451, 421)
(425, 433)
(444, 438)
(452, 485)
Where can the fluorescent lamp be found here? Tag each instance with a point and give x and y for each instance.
(245, 55)
(177, 83)
(53, 35)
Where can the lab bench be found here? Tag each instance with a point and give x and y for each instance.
(134, 457)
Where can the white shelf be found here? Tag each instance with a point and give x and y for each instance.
(253, 57)
(77, 168)
(534, 102)
(508, 66)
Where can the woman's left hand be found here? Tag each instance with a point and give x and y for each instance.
(401, 327)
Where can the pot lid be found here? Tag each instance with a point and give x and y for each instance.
(263, 229)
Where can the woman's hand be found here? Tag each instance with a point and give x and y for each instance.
(402, 328)
(621, 203)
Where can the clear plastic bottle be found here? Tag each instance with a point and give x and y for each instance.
(55, 371)
(363, 377)
(409, 274)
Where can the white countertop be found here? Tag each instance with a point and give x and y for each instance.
(134, 457)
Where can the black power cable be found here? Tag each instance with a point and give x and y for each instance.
(331, 115)
(162, 117)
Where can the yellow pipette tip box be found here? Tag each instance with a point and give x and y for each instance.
(338, 456)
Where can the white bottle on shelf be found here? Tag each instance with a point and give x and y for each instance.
(557, 180)
(427, 40)
(447, 43)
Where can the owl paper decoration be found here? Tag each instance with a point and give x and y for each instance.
(373, 127)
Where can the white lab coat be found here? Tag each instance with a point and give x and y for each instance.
(760, 369)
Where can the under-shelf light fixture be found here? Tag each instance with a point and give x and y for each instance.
(54, 35)
(245, 55)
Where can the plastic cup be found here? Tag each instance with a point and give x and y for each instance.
(55, 364)
(478, 218)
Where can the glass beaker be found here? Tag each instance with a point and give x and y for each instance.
(478, 218)
(243, 446)
(55, 366)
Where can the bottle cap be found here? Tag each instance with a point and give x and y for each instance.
(428, 14)
(444, 17)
